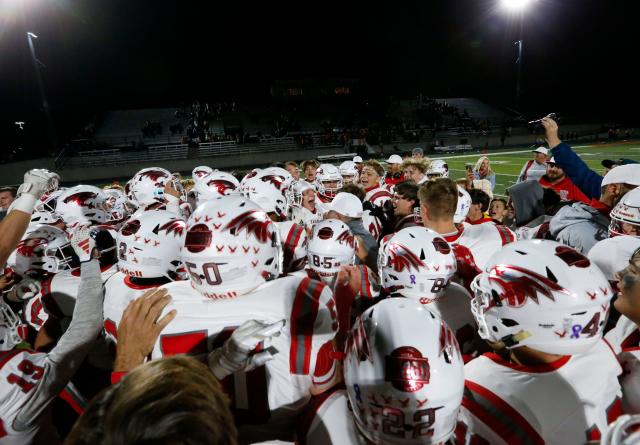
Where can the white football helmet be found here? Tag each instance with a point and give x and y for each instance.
(214, 185)
(287, 178)
(541, 294)
(624, 431)
(625, 216)
(120, 207)
(349, 172)
(417, 263)
(464, 204)
(147, 186)
(269, 191)
(298, 188)
(404, 374)
(231, 247)
(149, 245)
(82, 205)
(200, 172)
(44, 211)
(9, 324)
(438, 169)
(326, 174)
(45, 249)
(331, 246)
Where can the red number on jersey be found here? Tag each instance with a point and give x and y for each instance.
(28, 369)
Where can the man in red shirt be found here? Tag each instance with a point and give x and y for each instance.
(558, 181)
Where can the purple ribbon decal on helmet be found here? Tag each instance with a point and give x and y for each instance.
(576, 328)
(413, 279)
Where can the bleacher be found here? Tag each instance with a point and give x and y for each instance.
(477, 109)
(124, 127)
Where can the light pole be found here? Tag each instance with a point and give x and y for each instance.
(518, 7)
(43, 98)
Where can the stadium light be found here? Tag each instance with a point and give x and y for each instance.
(516, 5)
(30, 34)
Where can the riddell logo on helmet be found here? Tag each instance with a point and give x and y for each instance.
(221, 296)
(131, 273)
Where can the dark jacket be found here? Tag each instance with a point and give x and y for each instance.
(577, 170)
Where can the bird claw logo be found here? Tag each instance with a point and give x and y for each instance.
(518, 285)
(221, 186)
(154, 175)
(174, 227)
(277, 181)
(29, 247)
(82, 199)
(254, 222)
(346, 237)
(402, 258)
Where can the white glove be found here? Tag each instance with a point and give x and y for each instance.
(26, 289)
(84, 244)
(236, 353)
(38, 181)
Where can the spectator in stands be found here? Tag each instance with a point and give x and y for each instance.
(309, 168)
(7, 196)
(498, 210)
(557, 180)
(534, 168)
(588, 181)
(479, 206)
(417, 153)
(292, 167)
(415, 169)
(394, 172)
(482, 170)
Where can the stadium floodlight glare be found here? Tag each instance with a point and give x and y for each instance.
(516, 5)
(30, 34)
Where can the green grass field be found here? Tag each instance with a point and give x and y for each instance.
(508, 163)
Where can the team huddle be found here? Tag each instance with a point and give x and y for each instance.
(323, 323)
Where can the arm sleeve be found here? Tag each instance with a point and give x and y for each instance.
(64, 360)
(577, 170)
(492, 180)
(522, 172)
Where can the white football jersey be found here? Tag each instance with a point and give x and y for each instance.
(569, 401)
(624, 335)
(372, 224)
(119, 291)
(305, 217)
(454, 307)
(33, 312)
(20, 372)
(294, 245)
(269, 396)
(483, 240)
(377, 196)
(327, 420)
(625, 340)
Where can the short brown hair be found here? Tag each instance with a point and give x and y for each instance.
(309, 162)
(440, 197)
(354, 189)
(291, 164)
(12, 190)
(174, 400)
(408, 190)
(422, 164)
(375, 165)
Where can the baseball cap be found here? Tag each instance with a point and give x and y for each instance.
(417, 151)
(625, 174)
(551, 161)
(623, 246)
(394, 159)
(347, 204)
(357, 159)
(608, 163)
(542, 150)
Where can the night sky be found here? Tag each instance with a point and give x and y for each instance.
(107, 54)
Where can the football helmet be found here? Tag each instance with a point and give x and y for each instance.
(231, 247)
(200, 172)
(44, 250)
(624, 431)
(119, 205)
(9, 324)
(294, 246)
(541, 294)
(438, 169)
(403, 368)
(463, 206)
(269, 191)
(326, 174)
(214, 185)
(298, 188)
(147, 186)
(82, 205)
(149, 245)
(625, 216)
(331, 246)
(349, 172)
(417, 263)
(44, 211)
